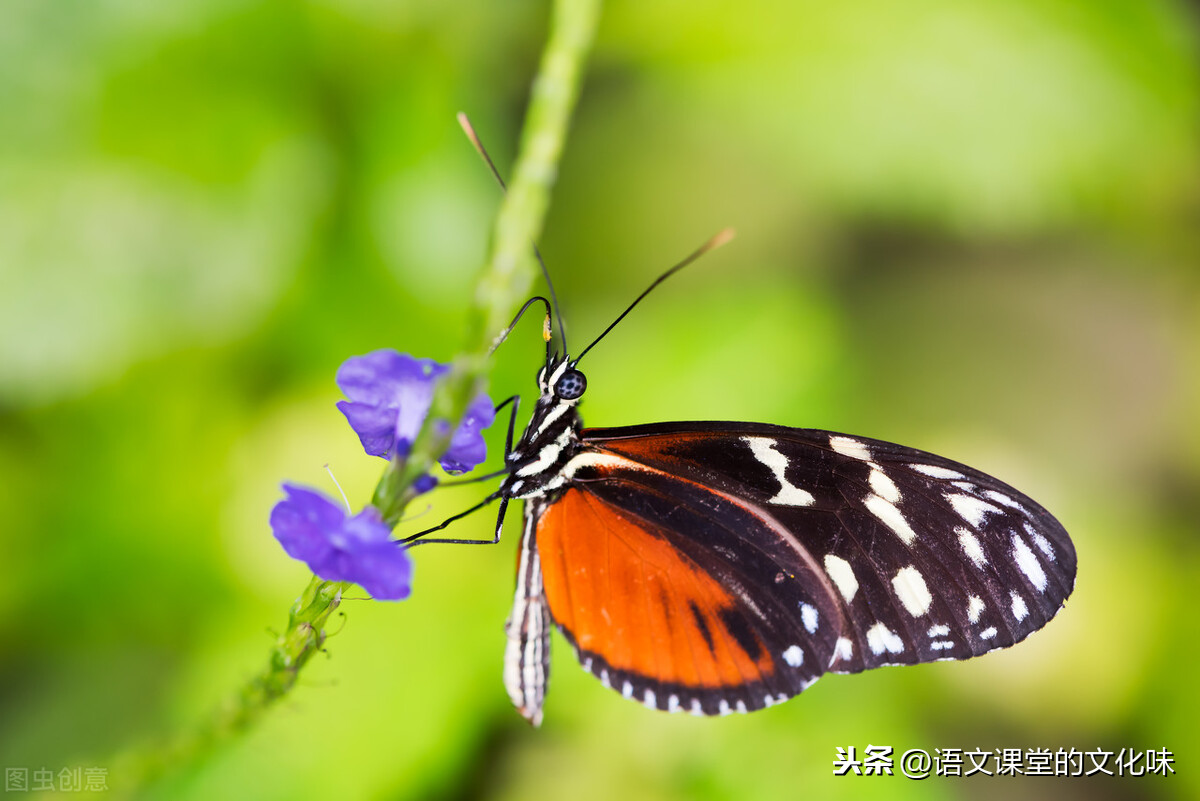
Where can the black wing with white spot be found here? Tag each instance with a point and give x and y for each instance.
(926, 559)
(679, 597)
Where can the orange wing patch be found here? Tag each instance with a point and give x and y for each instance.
(623, 593)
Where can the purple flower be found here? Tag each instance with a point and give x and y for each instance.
(315, 530)
(389, 396)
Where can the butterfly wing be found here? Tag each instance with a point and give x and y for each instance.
(724, 566)
(657, 582)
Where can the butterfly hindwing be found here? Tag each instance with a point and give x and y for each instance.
(679, 596)
(926, 558)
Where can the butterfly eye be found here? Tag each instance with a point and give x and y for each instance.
(570, 385)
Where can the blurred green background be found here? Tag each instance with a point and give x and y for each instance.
(971, 227)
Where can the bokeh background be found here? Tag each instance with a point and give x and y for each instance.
(970, 227)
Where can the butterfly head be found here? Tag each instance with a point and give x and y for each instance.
(560, 380)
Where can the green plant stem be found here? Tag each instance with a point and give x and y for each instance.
(303, 637)
(502, 286)
(510, 270)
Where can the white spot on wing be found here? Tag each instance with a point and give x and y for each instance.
(723, 707)
(942, 645)
(940, 630)
(695, 708)
(910, 588)
(843, 576)
(988, 633)
(1003, 500)
(598, 460)
(1019, 609)
(844, 649)
(794, 656)
(884, 487)
(808, 616)
(741, 706)
(788, 495)
(627, 690)
(971, 509)
(891, 517)
(673, 703)
(1028, 563)
(971, 547)
(974, 608)
(1041, 542)
(933, 471)
(880, 638)
(650, 700)
(850, 447)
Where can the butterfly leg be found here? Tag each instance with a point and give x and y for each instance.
(415, 539)
(515, 400)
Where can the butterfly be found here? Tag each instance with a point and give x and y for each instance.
(718, 567)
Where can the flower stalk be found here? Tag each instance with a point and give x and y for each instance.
(502, 285)
(303, 637)
(509, 273)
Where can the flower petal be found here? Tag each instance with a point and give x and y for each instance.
(375, 426)
(384, 570)
(378, 376)
(467, 448)
(412, 403)
(315, 530)
(366, 529)
(300, 521)
(389, 395)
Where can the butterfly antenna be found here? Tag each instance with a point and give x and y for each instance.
(720, 239)
(470, 132)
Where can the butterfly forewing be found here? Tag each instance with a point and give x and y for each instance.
(924, 558)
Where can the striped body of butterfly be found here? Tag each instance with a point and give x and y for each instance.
(724, 567)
